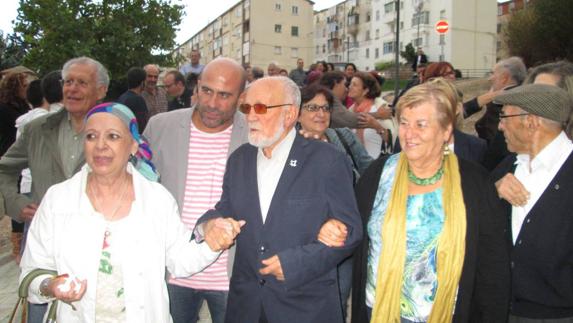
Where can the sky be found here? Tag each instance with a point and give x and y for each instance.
(197, 14)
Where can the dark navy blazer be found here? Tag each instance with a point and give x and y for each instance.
(315, 185)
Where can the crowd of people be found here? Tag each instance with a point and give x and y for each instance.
(282, 196)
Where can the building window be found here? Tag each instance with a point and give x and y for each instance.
(278, 50)
(377, 33)
(323, 49)
(421, 18)
(368, 17)
(417, 42)
(499, 10)
(317, 49)
(389, 7)
(401, 25)
(367, 35)
(367, 52)
(376, 53)
(294, 31)
(498, 28)
(443, 14)
(388, 47)
(294, 52)
(278, 28)
(295, 10)
(278, 7)
(238, 12)
(377, 15)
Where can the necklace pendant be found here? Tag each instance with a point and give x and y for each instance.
(106, 235)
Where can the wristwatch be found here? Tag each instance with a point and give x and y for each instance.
(44, 287)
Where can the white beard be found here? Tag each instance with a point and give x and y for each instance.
(262, 142)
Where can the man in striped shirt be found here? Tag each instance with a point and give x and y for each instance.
(190, 148)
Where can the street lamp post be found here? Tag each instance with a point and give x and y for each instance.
(397, 50)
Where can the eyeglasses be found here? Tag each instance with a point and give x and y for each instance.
(260, 108)
(70, 82)
(503, 116)
(315, 108)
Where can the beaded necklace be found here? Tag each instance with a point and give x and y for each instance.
(426, 181)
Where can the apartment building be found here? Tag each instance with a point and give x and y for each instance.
(257, 32)
(370, 26)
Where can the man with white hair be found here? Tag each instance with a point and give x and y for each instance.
(541, 235)
(285, 187)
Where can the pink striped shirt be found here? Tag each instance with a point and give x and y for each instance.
(206, 162)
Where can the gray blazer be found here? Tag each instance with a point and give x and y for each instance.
(36, 148)
(168, 136)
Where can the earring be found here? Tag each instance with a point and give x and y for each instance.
(132, 159)
(447, 150)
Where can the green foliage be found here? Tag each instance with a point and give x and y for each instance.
(11, 51)
(381, 66)
(409, 53)
(118, 33)
(542, 32)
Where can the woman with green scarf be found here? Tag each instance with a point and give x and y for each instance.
(435, 247)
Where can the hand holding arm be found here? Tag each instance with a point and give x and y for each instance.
(510, 189)
(333, 233)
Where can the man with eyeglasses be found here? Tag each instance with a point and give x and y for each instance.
(180, 95)
(51, 146)
(541, 235)
(285, 187)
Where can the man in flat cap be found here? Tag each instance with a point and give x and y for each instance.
(541, 221)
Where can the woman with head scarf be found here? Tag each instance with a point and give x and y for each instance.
(111, 230)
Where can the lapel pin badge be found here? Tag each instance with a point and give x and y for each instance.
(293, 163)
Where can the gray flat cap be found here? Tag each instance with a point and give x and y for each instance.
(547, 101)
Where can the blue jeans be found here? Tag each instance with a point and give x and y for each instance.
(345, 282)
(185, 303)
(36, 312)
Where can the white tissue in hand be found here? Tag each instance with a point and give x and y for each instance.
(66, 286)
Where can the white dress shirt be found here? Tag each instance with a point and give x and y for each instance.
(536, 175)
(269, 171)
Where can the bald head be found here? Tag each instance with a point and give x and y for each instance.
(219, 87)
(227, 68)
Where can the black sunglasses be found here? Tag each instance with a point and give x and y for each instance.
(260, 108)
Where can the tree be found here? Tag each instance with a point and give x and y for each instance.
(120, 34)
(542, 32)
(11, 51)
(409, 53)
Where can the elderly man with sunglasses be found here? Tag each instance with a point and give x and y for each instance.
(284, 187)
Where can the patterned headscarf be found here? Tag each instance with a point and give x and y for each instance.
(142, 158)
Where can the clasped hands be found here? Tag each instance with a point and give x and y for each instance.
(220, 233)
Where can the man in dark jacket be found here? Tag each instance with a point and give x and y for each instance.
(541, 232)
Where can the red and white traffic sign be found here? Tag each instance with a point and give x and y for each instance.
(442, 27)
